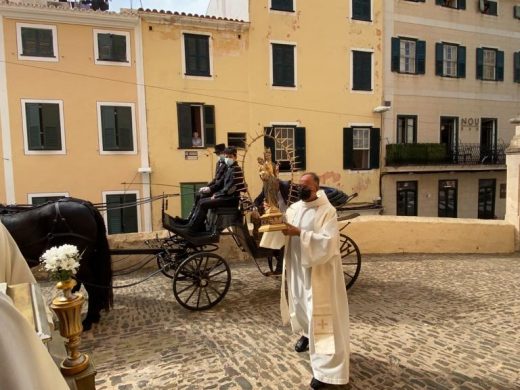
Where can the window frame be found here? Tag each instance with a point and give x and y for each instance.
(138, 207)
(100, 127)
(415, 119)
(299, 143)
(445, 189)
(487, 12)
(203, 122)
(416, 197)
(366, 129)
(28, 151)
(295, 65)
(364, 91)
(371, 17)
(210, 55)
(274, 10)
(33, 195)
(495, 52)
(481, 186)
(19, 42)
(126, 34)
(236, 136)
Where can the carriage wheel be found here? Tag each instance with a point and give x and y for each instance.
(166, 264)
(350, 260)
(201, 281)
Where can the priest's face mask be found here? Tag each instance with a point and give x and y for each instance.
(307, 188)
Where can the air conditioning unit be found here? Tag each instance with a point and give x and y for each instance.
(516, 11)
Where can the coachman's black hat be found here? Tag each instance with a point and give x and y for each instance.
(219, 149)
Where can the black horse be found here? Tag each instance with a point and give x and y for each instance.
(67, 221)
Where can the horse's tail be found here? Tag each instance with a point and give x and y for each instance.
(104, 260)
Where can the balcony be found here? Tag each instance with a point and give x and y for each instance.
(440, 154)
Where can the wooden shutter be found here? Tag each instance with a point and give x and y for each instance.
(51, 126)
(420, 57)
(104, 47)
(493, 9)
(461, 4)
(114, 214)
(439, 59)
(283, 65)
(269, 142)
(461, 61)
(32, 118)
(124, 128)
(108, 128)
(361, 10)
(45, 47)
(362, 71)
(129, 214)
(209, 126)
(480, 63)
(184, 122)
(299, 148)
(396, 54)
(375, 140)
(499, 74)
(282, 5)
(119, 48)
(190, 54)
(516, 65)
(348, 144)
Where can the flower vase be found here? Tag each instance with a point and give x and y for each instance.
(68, 309)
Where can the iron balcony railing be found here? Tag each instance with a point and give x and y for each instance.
(441, 154)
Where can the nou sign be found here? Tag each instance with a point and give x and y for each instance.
(470, 123)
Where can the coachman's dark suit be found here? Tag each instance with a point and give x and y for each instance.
(227, 194)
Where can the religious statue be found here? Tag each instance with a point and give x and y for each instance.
(272, 218)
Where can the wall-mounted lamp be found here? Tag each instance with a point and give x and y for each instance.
(381, 109)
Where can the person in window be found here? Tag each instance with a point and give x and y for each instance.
(210, 188)
(196, 140)
(227, 193)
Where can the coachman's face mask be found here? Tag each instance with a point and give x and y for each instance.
(222, 157)
(229, 161)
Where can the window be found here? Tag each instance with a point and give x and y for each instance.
(488, 140)
(238, 140)
(116, 123)
(408, 56)
(490, 64)
(361, 71)
(122, 213)
(188, 193)
(486, 198)
(361, 148)
(361, 10)
(283, 65)
(407, 198)
(287, 143)
(196, 125)
(406, 129)
(282, 5)
(197, 55)
(37, 42)
(456, 4)
(447, 203)
(516, 67)
(488, 7)
(112, 47)
(450, 60)
(516, 11)
(38, 199)
(43, 130)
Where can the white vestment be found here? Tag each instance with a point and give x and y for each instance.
(318, 305)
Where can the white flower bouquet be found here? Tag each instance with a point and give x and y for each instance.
(62, 262)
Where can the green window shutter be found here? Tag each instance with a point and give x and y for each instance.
(375, 139)
(362, 71)
(420, 57)
(348, 144)
(51, 126)
(29, 41)
(196, 52)
(37, 42)
(187, 198)
(361, 10)
(283, 65)
(493, 8)
(32, 116)
(516, 64)
(184, 122)
(129, 214)
(439, 58)
(119, 48)
(104, 47)
(209, 126)
(190, 54)
(499, 74)
(203, 55)
(282, 5)
(108, 128)
(461, 4)
(269, 142)
(299, 148)
(461, 61)
(114, 214)
(124, 128)
(439, 2)
(396, 48)
(480, 63)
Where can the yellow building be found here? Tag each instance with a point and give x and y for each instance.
(309, 74)
(72, 109)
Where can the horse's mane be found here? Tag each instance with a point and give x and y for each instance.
(17, 208)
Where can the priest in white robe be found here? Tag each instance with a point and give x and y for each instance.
(317, 299)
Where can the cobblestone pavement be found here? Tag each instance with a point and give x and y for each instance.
(417, 322)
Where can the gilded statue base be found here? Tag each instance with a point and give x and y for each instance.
(68, 309)
(272, 221)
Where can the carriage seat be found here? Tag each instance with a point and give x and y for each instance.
(196, 239)
(223, 217)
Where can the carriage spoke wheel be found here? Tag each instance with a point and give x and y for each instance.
(350, 260)
(201, 281)
(166, 264)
